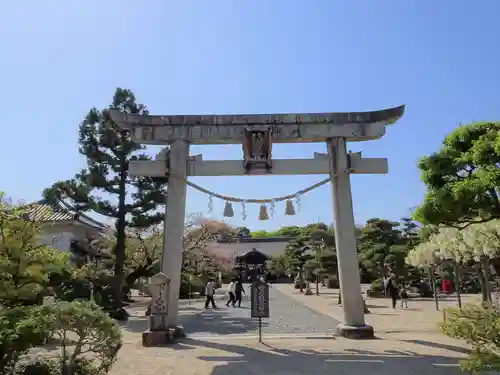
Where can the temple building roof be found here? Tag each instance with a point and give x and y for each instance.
(268, 246)
(47, 211)
(253, 256)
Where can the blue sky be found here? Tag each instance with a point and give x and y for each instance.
(59, 58)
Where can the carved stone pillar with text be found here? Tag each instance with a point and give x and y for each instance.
(158, 333)
(348, 268)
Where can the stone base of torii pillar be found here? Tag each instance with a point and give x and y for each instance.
(163, 337)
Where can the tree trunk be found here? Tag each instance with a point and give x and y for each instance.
(301, 280)
(456, 274)
(486, 270)
(144, 271)
(120, 241)
(484, 278)
(382, 272)
(480, 277)
(317, 285)
(339, 300)
(432, 278)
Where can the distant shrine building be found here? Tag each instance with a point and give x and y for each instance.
(249, 254)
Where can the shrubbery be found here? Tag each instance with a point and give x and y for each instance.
(377, 285)
(479, 326)
(197, 286)
(22, 328)
(87, 339)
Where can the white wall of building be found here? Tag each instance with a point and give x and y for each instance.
(59, 235)
(61, 241)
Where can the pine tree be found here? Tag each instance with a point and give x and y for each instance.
(297, 252)
(130, 201)
(381, 246)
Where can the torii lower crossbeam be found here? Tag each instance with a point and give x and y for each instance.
(319, 165)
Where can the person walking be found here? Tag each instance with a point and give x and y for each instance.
(392, 289)
(403, 294)
(209, 294)
(230, 292)
(238, 292)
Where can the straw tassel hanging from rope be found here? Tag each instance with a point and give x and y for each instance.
(290, 208)
(228, 210)
(263, 215)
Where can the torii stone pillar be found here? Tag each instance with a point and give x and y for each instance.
(173, 234)
(345, 240)
(257, 133)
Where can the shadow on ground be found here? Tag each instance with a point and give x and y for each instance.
(267, 359)
(218, 322)
(201, 323)
(451, 348)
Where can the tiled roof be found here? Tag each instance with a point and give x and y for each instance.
(51, 211)
(45, 211)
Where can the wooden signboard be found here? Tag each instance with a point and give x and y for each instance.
(259, 295)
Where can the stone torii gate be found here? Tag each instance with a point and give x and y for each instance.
(257, 133)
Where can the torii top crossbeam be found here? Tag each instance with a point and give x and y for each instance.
(284, 128)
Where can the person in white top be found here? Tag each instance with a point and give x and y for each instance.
(209, 293)
(230, 292)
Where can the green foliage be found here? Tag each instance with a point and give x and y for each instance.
(328, 259)
(131, 201)
(297, 252)
(278, 264)
(479, 326)
(191, 284)
(296, 231)
(290, 231)
(82, 327)
(260, 234)
(377, 285)
(21, 328)
(382, 245)
(27, 270)
(27, 267)
(88, 341)
(463, 177)
(322, 260)
(109, 150)
(410, 231)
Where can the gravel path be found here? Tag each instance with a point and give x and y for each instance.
(287, 317)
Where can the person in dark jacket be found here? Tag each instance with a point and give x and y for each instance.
(238, 292)
(392, 289)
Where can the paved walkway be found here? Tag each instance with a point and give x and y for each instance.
(288, 316)
(408, 342)
(421, 315)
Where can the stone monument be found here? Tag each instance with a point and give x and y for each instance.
(159, 331)
(257, 133)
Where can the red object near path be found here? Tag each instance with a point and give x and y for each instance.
(446, 286)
